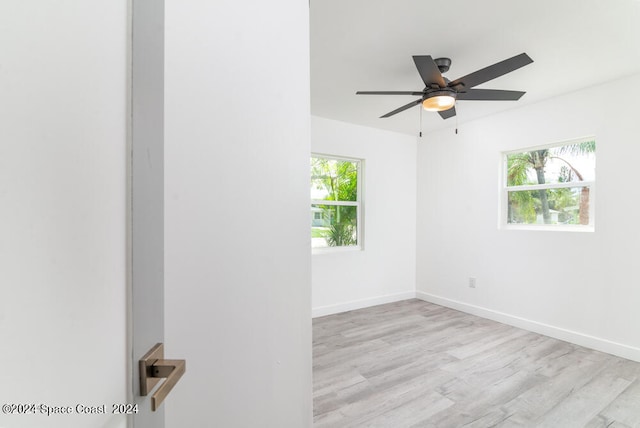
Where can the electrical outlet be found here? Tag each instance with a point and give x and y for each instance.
(472, 282)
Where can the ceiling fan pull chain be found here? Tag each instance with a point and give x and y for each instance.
(420, 122)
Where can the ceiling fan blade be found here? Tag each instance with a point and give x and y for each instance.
(403, 108)
(489, 95)
(446, 114)
(389, 93)
(496, 70)
(429, 71)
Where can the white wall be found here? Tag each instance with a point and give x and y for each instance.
(238, 294)
(63, 209)
(577, 286)
(385, 270)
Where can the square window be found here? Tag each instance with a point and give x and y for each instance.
(550, 187)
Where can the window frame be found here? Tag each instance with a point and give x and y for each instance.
(357, 203)
(505, 190)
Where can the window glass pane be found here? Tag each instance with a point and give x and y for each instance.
(568, 205)
(569, 163)
(335, 226)
(334, 179)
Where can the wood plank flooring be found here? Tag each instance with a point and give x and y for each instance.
(416, 364)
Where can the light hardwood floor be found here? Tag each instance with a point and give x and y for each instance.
(416, 364)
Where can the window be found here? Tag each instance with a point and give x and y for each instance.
(335, 202)
(550, 187)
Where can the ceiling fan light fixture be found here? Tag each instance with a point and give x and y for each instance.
(439, 101)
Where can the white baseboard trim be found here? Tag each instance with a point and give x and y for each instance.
(599, 344)
(321, 311)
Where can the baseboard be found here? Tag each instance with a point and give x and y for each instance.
(321, 311)
(599, 344)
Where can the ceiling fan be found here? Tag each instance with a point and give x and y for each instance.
(440, 94)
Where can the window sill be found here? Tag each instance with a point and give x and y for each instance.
(549, 228)
(334, 250)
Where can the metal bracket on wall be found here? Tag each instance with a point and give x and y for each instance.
(153, 367)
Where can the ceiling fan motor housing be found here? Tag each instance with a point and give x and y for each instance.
(430, 93)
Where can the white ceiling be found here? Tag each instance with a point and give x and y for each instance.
(368, 44)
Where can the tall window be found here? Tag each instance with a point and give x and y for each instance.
(335, 202)
(550, 187)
